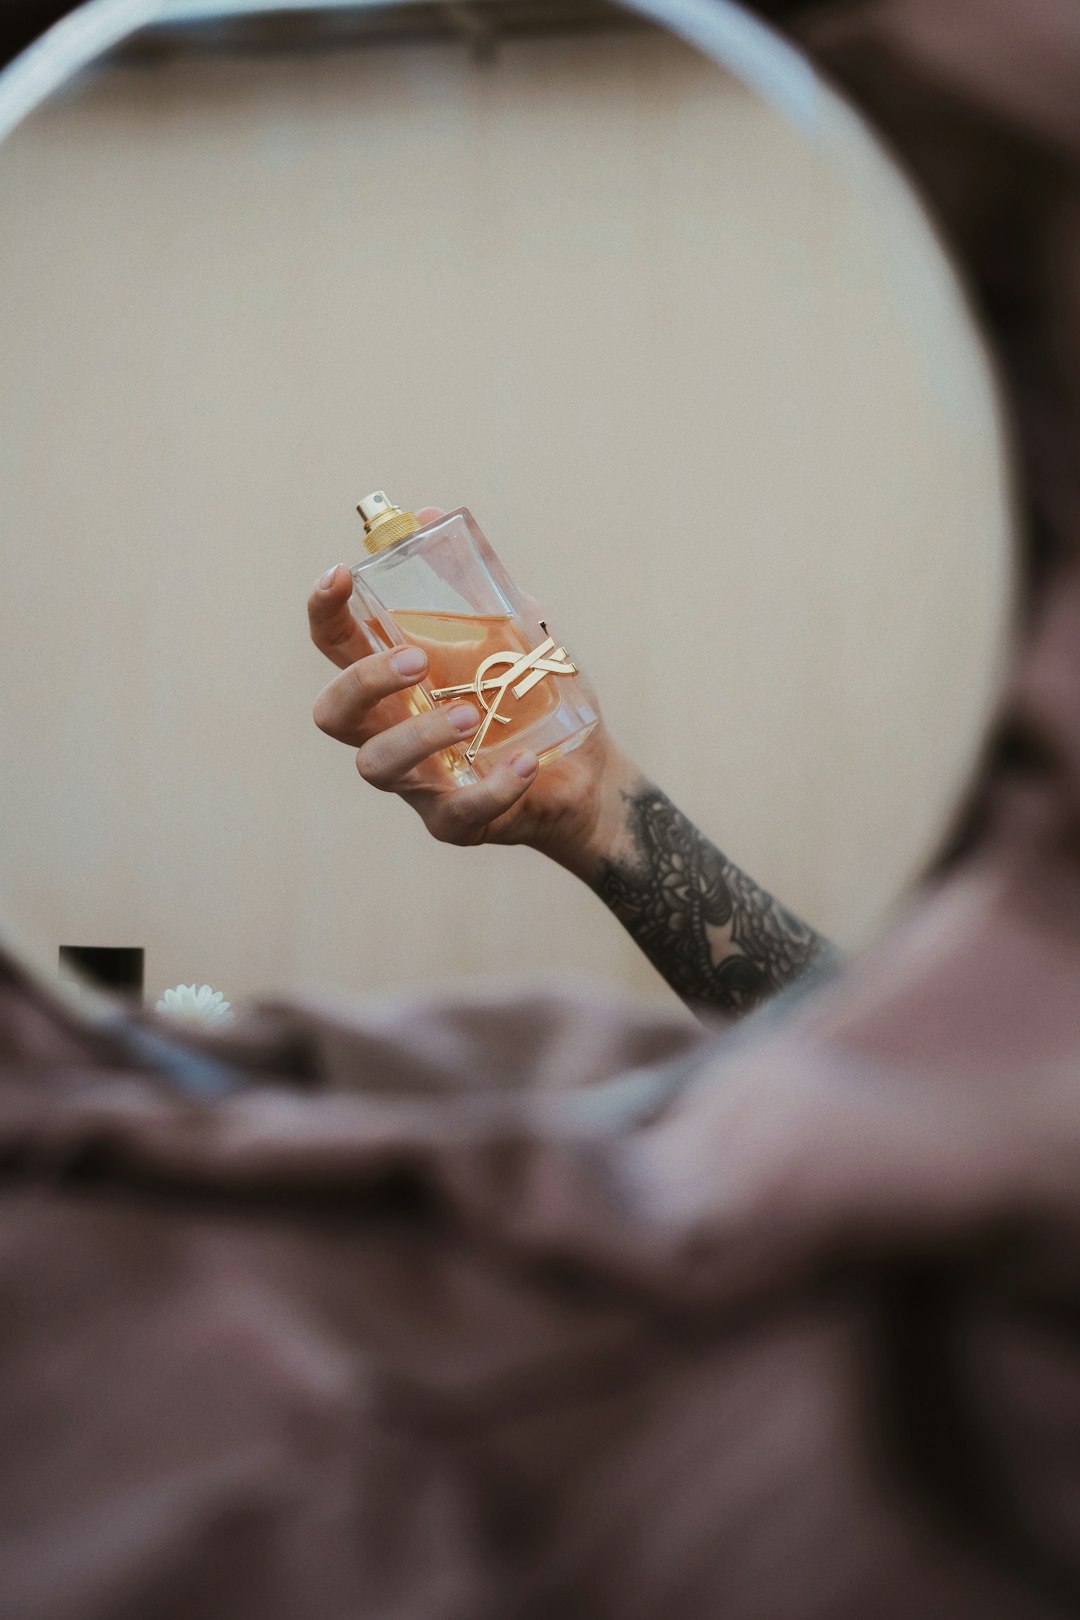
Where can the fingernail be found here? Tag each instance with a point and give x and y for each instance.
(410, 661)
(329, 577)
(525, 765)
(463, 717)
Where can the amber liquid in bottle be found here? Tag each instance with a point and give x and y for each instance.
(457, 645)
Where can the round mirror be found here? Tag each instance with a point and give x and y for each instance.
(683, 343)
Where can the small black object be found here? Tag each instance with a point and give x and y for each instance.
(116, 968)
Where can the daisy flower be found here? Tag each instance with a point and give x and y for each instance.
(202, 1006)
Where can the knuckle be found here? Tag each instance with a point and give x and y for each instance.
(342, 705)
(358, 681)
(328, 644)
(371, 764)
(455, 821)
(441, 826)
(322, 714)
(450, 835)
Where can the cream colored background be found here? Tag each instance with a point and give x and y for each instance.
(738, 441)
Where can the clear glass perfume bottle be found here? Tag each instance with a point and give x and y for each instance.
(442, 588)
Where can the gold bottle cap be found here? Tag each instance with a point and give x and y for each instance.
(384, 523)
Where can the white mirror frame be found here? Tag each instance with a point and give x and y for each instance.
(733, 38)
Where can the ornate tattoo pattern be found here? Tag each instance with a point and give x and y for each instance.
(717, 938)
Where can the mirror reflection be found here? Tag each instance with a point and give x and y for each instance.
(703, 389)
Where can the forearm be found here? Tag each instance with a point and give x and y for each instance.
(722, 943)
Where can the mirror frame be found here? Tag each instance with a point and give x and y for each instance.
(737, 41)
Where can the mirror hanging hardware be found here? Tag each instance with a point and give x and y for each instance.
(474, 28)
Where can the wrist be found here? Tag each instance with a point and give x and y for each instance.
(607, 836)
(589, 831)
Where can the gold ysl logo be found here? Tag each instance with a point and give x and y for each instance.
(525, 670)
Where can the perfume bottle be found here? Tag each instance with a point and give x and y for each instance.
(442, 588)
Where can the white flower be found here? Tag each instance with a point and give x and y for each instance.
(202, 1006)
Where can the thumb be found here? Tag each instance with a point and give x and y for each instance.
(335, 629)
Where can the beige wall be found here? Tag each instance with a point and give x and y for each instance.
(708, 410)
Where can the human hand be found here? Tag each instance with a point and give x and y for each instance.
(559, 810)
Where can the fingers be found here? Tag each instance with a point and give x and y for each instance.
(462, 816)
(343, 708)
(386, 759)
(334, 628)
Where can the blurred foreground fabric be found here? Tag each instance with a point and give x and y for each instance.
(532, 1307)
(536, 1306)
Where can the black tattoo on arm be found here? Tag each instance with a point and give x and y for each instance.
(719, 940)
